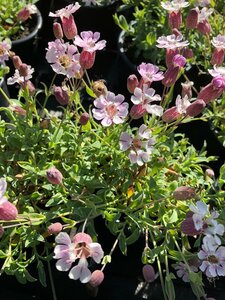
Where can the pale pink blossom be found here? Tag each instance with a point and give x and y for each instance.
(89, 41)
(175, 5)
(171, 42)
(217, 71)
(4, 51)
(182, 104)
(110, 108)
(219, 41)
(213, 260)
(149, 72)
(144, 97)
(80, 247)
(64, 58)
(17, 78)
(65, 12)
(183, 272)
(200, 212)
(140, 146)
(204, 14)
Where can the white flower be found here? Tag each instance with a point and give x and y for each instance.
(182, 104)
(200, 211)
(175, 5)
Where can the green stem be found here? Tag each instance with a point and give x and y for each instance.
(51, 278)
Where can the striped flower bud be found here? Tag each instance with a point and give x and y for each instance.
(210, 91)
(175, 19)
(87, 59)
(188, 227)
(8, 210)
(96, 278)
(55, 228)
(69, 27)
(184, 193)
(204, 27)
(137, 111)
(132, 83)
(171, 115)
(16, 62)
(57, 30)
(170, 53)
(23, 14)
(28, 85)
(170, 76)
(192, 19)
(84, 118)
(54, 176)
(148, 273)
(195, 108)
(23, 70)
(61, 94)
(217, 57)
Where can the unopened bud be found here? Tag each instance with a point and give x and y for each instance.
(204, 27)
(28, 85)
(175, 19)
(132, 83)
(96, 278)
(55, 228)
(179, 61)
(187, 53)
(54, 176)
(170, 53)
(192, 19)
(217, 57)
(8, 210)
(170, 76)
(61, 94)
(57, 30)
(87, 59)
(23, 70)
(23, 14)
(171, 115)
(137, 111)
(84, 118)
(69, 27)
(195, 108)
(210, 173)
(99, 88)
(184, 193)
(148, 273)
(16, 62)
(188, 227)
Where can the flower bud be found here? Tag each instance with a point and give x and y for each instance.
(84, 118)
(187, 53)
(184, 193)
(210, 173)
(1, 231)
(87, 59)
(148, 273)
(187, 89)
(170, 53)
(176, 32)
(54, 176)
(137, 111)
(211, 92)
(217, 57)
(8, 211)
(175, 19)
(16, 62)
(179, 61)
(170, 115)
(195, 108)
(18, 109)
(188, 227)
(204, 27)
(218, 82)
(170, 76)
(69, 27)
(192, 19)
(23, 14)
(132, 83)
(61, 94)
(57, 30)
(99, 88)
(55, 228)
(23, 70)
(28, 85)
(96, 278)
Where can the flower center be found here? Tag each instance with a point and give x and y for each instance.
(2, 50)
(82, 250)
(111, 110)
(137, 143)
(65, 60)
(213, 259)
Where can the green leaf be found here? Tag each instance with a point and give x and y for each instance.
(41, 273)
(121, 22)
(89, 91)
(122, 243)
(169, 286)
(133, 237)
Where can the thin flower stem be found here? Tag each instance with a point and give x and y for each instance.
(4, 94)
(51, 278)
(47, 96)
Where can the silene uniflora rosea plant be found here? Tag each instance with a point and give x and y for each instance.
(63, 171)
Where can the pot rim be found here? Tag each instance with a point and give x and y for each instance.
(37, 27)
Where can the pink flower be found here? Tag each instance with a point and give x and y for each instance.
(4, 51)
(140, 147)
(175, 5)
(182, 270)
(219, 41)
(171, 42)
(182, 104)
(213, 260)
(63, 58)
(88, 41)
(26, 12)
(79, 248)
(66, 12)
(149, 72)
(144, 97)
(110, 109)
(18, 78)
